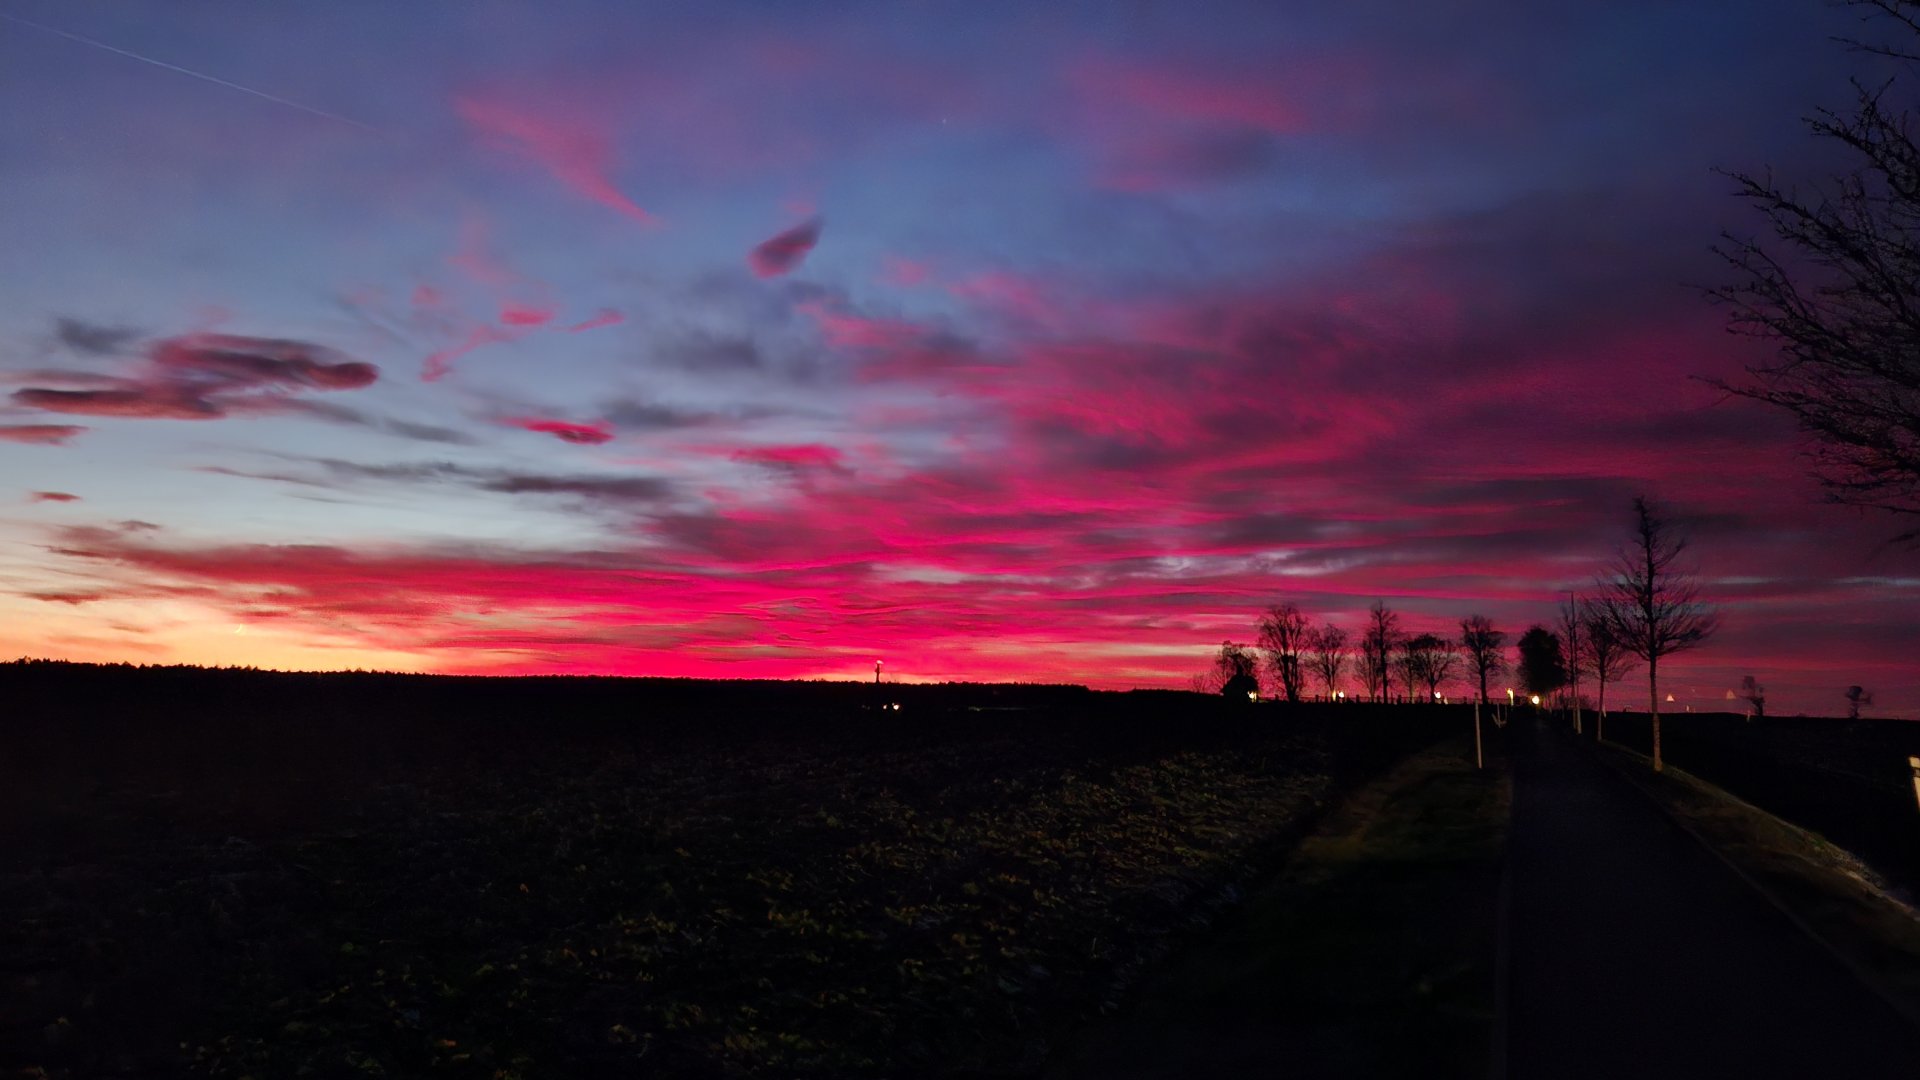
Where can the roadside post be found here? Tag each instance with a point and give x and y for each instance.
(1914, 764)
(1480, 763)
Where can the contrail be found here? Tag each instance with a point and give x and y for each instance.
(187, 71)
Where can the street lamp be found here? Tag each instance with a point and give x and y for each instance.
(1536, 700)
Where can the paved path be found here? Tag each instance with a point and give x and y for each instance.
(1635, 954)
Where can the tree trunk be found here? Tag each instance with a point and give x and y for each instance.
(1653, 693)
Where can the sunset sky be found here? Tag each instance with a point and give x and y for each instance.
(997, 340)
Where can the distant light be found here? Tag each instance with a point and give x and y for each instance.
(1535, 699)
(1253, 695)
(1436, 695)
(896, 706)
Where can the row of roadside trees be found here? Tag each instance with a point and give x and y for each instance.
(1644, 607)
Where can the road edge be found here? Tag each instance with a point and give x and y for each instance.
(1862, 974)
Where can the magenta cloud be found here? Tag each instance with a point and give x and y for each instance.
(198, 377)
(572, 150)
(782, 253)
(564, 430)
(39, 434)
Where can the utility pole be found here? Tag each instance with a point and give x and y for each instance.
(876, 672)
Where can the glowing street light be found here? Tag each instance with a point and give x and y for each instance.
(1536, 700)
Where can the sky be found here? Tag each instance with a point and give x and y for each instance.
(991, 340)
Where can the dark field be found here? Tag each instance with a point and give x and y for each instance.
(235, 874)
(1846, 779)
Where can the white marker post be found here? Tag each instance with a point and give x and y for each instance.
(1480, 763)
(1914, 763)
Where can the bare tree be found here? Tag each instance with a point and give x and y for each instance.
(1856, 697)
(1657, 609)
(1608, 659)
(1236, 670)
(1836, 293)
(1573, 642)
(1377, 643)
(1328, 645)
(1543, 664)
(1428, 659)
(1483, 647)
(1754, 695)
(1283, 636)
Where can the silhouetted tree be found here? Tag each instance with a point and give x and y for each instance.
(1377, 643)
(1836, 292)
(1543, 668)
(1656, 601)
(1283, 635)
(1483, 647)
(1608, 660)
(1428, 659)
(1754, 695)
(1328, 645)
(1237, 669)
(1856, 697)
(1573, 640)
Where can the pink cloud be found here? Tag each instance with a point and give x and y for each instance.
(40, 434)
(904, 273)
(1153, 124)
(153, 403)
(52, 496)
(799, 456)
(606, 317)
(440, 362)
(512, 314)
(262, 361)
(1261, 100)
(784, 252)
(566, 431)
(202, 376)
(570, 150)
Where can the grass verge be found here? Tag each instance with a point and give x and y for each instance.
(1371, 953)
(1829, 892)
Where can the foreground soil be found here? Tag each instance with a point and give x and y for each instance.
(796, 904)
(1372, 954)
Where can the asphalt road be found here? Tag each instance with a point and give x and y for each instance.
(1633, 953)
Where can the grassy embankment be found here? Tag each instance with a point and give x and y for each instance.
(1372, 953)
(1832, 894)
